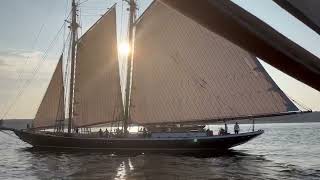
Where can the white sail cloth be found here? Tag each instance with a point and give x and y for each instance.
(52, 104)
(183, 72)
(97, 93)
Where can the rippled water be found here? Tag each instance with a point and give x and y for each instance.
(285, 151)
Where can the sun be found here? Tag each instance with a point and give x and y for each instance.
(124, 48)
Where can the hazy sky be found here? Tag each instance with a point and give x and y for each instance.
(28, 27)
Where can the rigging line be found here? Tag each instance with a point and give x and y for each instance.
(94, 9)
(122, 57)
(67, 60)
(84, 1)
(63, 78)
(100, 11)
(62, 93)
(79, 3)
(66, 16)
(299, 103)
(65, 39)
(28, 57)
(35, 71)
(37, 38)
(121, 21)
(66, 10)
(21, 87)
(92, 14)
(67, 71)
(80, 20)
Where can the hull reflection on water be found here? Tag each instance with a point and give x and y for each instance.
(128, 165)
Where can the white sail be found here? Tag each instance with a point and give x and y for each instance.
(52, 105)
(183, 72)
(97, 93)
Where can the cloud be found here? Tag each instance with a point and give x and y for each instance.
(17, 71)
(17, 64)
(3, 63)
(17, 57)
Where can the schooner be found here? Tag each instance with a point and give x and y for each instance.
(180, 77)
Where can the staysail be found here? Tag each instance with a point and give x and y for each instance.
(51, 108)
(183, 72)
(97, 93)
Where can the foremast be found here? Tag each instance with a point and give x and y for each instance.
(132, 19)
(74, 35)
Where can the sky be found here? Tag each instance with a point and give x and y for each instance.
(32, 37)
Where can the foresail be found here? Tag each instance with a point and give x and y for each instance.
(52, 105)
(183, 72)
(97, 94)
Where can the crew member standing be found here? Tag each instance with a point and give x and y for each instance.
(236, 128)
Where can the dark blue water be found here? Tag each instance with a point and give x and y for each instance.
(285, 151)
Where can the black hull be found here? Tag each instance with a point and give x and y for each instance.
(210, 143)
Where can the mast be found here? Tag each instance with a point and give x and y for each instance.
(73, 27)
(132, 18)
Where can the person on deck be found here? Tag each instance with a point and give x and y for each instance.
(221, 132)
(209, 132)
(100, 133)
(225, 128)
(107, 133)
(236, 128)
(144, 132)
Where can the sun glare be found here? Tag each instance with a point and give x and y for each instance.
(124, 48)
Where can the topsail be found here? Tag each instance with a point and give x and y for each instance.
(183, 72)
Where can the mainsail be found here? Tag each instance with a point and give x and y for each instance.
(51, 108)
(97, 93)
(183, 72)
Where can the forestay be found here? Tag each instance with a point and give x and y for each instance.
(183, 72)
(52, 104)
(97, 91)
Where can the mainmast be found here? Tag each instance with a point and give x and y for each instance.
(73, 28)
(132, 18)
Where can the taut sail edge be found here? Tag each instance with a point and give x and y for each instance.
(97, 22)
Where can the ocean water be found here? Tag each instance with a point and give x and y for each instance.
(284, 151)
